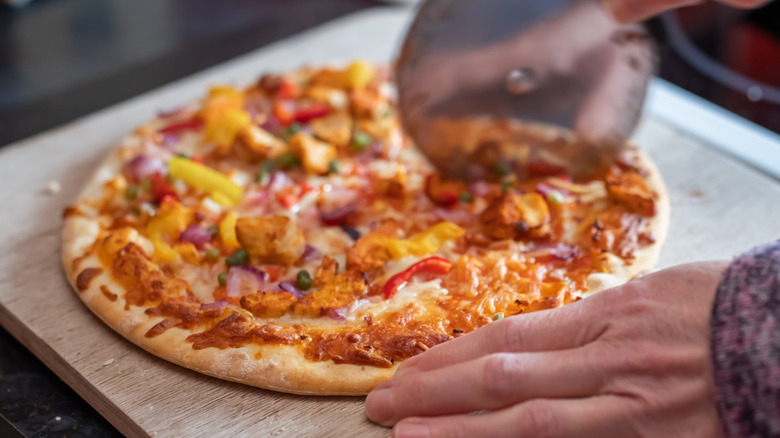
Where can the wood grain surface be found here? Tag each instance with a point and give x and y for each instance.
(720, 207)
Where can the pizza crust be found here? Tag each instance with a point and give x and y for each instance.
(646, 257)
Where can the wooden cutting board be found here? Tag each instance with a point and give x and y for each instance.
(720, 208)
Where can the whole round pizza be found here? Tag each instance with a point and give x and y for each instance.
(289, 236)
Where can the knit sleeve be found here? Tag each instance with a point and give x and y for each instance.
(746, 344)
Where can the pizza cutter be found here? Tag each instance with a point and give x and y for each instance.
(491, 88)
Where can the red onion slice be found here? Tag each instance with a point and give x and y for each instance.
(143, 166)
(279, 181)
(339, 314)
(558, 251)
(244, 279)
(480, 188)
(289, 286)
(311, 253)
(336, 215)
(196, 235)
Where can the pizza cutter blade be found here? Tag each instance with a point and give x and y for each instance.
(529, 87)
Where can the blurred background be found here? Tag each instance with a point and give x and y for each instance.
(63, 59)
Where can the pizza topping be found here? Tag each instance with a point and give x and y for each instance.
(630, 189)
(196, 235)
(315, 155)
(240, 257)
(179, 127)
(289, 286)
(160, 187)
(244, 279)
(342, 290)
(254, 144)
(326, 272)
(165, 227)
(221, 188)
(426, 242)
(360, 141)
(443, 193)
(431, 265)
(227, 230)
(268, 304)
(335, 129)
(274, 240)
(304, 280)
(513, 214)
(142, 166)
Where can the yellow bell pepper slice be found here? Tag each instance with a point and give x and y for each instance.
(426, 242)
(359, 74)
(173, 218)
(227, 230)
(222, 127)
(204, 178)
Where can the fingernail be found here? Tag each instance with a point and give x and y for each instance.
(379, 406)
(410, 431)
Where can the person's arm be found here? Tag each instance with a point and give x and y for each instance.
(629, 11)
(746, 344)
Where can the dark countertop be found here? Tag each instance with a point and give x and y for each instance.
(62, 59)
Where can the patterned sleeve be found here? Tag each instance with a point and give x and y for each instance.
(746, 344)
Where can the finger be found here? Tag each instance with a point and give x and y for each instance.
(557, 329)
(487, 383)
(629, 11)
(595, 417)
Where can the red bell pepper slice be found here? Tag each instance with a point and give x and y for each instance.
(188, 125)
(538, 169)
(431, 265)
(312, 112)
(288, 200)
(161, 190)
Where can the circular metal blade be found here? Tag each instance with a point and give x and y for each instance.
(552, 81)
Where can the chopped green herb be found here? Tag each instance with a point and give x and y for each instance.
(212, 253)
(567, 280)
(387, 113)
(288, 160)
(555, 197)
(334, 166)
(239, 257)
(266, 169)
(183, 155)
(131, 192)
(304, 280)
(360, 141)
(222, 278)
(146, 184)
(507, 186)
(498, 316)
(291, 130)
(213, 230)
(466, 198)
(503, 168)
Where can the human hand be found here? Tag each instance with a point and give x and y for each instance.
(628, 11)
(633, 361)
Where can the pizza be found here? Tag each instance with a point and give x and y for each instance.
(287, 235)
